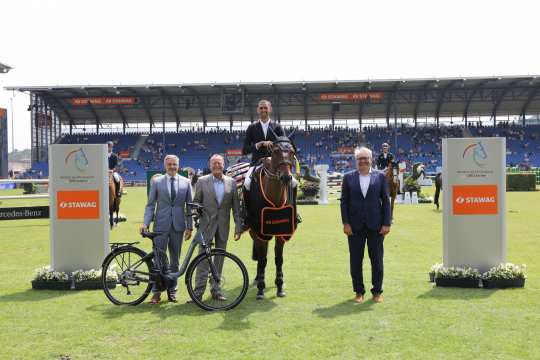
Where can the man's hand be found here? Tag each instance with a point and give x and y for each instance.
(266, 144)
(347, 229)
(237, 236)
(187, 234)
(143, 228)
(384, 230)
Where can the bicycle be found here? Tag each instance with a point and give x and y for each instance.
(129, 273)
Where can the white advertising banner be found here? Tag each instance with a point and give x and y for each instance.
(78, 195)
(474, 202)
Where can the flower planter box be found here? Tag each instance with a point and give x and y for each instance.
(51, 285)
(93, 285)
(503, 283)
(461, 283)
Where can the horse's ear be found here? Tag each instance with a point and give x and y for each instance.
(290, 136)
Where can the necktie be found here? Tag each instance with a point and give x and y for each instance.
(173, 190)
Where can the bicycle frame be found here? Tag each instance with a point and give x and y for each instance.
(197, 240)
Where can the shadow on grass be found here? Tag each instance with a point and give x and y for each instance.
(450, 293)
(237, 318)
(35, 295)
(344, 308)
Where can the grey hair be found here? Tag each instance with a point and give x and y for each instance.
(171, 156)
(110, 143)
(361, 149)
(265, 101)
(215, 156)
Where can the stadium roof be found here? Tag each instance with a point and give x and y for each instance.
(309, 100)
(4, 68)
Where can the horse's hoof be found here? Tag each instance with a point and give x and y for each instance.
(281, 293)
(260, 297)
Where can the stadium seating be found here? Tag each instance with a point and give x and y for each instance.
(315, 146)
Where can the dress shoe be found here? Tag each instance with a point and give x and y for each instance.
(359, 298)
(378, 298)
(219, 297)
(156, 298)
(172, 297)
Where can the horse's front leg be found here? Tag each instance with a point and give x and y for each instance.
(111, 218)
(260, 249)
(278, 252)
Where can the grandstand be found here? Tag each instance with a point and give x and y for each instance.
(329, 118)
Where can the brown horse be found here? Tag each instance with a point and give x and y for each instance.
(114, 199)
(271, 185)
(391, 175)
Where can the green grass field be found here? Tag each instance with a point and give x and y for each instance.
(317, 320)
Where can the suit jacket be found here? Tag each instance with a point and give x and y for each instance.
(217, 217)
(373, 210)
(254, 134)
(164, 212)
(113, 161)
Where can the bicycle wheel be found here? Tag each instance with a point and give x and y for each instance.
(223, 293)
(125, 276)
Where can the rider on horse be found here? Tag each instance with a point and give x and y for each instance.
(385, 157)
(113, 163)
(260, 137)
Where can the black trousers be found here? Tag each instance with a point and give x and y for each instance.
(357, 243)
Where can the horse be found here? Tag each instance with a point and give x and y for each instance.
(391, 175)
(271, 184)
(114, 199)
(438, 188)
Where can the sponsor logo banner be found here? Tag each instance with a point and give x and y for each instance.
(474, 200)
(26, 212)
(118, 100)
(352, 96)
(79, 204)
(233, 152)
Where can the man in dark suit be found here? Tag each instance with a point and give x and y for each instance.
(365, 213)
(261, 134)
(113, 163)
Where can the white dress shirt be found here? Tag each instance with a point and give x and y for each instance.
(364, 182)
(265, 126)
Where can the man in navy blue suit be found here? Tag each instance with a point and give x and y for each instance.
(365, 213)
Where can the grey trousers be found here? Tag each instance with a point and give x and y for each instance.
(173, 241)
(203, 269)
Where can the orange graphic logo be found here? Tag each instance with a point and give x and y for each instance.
(80, 204)
(474, 200)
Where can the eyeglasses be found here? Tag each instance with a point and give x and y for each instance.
(263, 108)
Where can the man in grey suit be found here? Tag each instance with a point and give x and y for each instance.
(167, 207)
(217, 193)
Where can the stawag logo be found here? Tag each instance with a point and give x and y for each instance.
(479, 153)
(474, 200)
(80, 204)
(79, 159)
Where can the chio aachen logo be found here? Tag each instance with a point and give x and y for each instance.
(79, 159)
(479, 153)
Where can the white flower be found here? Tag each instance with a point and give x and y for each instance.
(456, 272)
(46, 274)
(506, 271)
